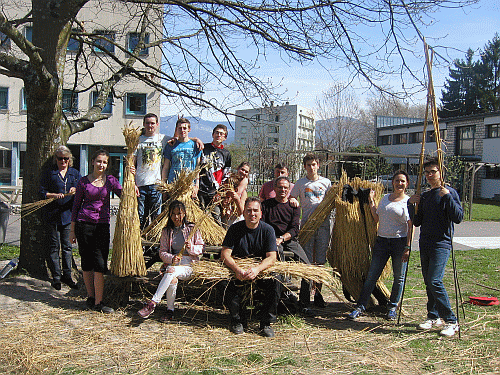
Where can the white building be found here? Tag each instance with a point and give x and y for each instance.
(132, 99)
(474, 138)
(287, 127)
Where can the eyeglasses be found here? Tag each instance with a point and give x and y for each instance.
(219, 133)
(61, 158)
(432, 171)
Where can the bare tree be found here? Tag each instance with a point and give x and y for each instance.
(339, 127)
(205, 45)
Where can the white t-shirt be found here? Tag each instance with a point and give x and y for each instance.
(149, 158)
(310, 194)
(393, 217)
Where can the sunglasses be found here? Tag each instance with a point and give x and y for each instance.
(61, 158)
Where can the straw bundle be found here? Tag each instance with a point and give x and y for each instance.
(318, 216)
(127, 258)
(206, 270)
(29, 208)
(181, 189)
(349, 251)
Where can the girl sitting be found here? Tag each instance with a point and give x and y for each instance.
(178, 266)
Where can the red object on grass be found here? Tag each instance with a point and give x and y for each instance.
(484, 301)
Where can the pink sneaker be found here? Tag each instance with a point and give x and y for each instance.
(147, 310)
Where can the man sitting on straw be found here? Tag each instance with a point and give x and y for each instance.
(311, 190)
(244, 239)
(284, 218)
(184, 154)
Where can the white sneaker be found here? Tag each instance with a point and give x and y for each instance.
(449, 329)
(430, 323)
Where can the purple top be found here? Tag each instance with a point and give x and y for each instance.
(91, 202)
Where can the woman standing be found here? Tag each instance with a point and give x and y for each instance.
(392, 241)
(90, 226)
(56, 182)
(173, 238)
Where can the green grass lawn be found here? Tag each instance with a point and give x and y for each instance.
(485, 210)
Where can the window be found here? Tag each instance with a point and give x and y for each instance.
(4, 98)
(277, 118)
(133, 40)
(28, 33)
(4, 41)
(70, 101)
(73, 44)
(257, 117)
(103, 45)
(399, 139)
(243, 130)
(108, 108)
(273, 129)
(415, 137)
(466, 140)
(384, 140)
(431, 138)
(492, 172)
(492, 131)
(272, 141)
(24, 106)
(136, 104)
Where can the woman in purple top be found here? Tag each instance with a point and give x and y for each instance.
(90, 226)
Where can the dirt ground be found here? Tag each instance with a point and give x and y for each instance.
(44, 331)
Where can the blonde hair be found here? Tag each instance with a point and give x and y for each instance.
(63, 151)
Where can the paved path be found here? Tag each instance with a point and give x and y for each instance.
(468, 235)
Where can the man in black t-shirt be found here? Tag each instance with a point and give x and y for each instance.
(256, 239)
(219, 160)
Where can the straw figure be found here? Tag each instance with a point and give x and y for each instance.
(181, 189)
(353, 237)
(127, 258)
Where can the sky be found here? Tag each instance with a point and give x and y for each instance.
(457, 29)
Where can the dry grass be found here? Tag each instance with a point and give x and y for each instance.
(127, 258)
(353, 236)
(29, 208)
(182, 189)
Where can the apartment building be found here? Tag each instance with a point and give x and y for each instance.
(286, 127)
(131, 99)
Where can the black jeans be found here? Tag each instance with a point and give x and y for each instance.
(58, 239)
(236, 301)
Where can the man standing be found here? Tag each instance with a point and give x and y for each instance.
(284, 218)
(184, 154)
(267, 190)
(219, 159)
(250, 238)
(438, 209)
(147, 159)
(311, 191)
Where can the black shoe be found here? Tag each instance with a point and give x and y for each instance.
(90, 302)
(237, 328)
(306, 311)
(56, 285)
(266, 331)
(104, 309)
(69, 282)
(319, 301)
(169, 316)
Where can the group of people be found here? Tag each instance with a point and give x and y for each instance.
(260, 227)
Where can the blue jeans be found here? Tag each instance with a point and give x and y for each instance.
(433, 261)
(382, 250)
(148, 204)
(58, 236)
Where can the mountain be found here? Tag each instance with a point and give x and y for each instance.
(199, 128)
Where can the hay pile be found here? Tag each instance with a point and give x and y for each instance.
(349, 251)
(318, 216)
(206, 270)
(182, 189)
(127, 258)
